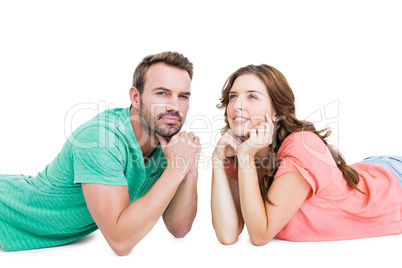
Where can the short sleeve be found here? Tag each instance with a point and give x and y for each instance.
(289, 164)
(98, 156)
(306, 153)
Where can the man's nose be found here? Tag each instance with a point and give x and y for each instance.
(173, 104)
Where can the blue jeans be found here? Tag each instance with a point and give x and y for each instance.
(392, 163)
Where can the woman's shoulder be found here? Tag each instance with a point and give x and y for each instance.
(301, 140)
(302, 135)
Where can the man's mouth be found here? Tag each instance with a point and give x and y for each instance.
(170, 119)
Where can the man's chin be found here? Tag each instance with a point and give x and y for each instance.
(167, 133)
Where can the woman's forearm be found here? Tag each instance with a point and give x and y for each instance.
(252, 203)
(225, 219)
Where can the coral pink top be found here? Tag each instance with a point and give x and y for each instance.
(335, 211)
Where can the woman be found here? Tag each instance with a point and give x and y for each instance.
(278, 176)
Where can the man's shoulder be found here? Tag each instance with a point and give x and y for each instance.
(109, 119)
(112, 117)
(107, 125)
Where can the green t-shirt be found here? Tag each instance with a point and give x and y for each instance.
(49, 209)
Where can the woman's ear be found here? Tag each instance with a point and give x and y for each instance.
(135, 97)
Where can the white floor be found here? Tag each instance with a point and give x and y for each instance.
(200, 248)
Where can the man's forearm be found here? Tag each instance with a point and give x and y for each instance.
(181, 212)
(137, 219)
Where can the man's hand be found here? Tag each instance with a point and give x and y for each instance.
(181, 151)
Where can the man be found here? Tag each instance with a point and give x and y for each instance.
(111, 173)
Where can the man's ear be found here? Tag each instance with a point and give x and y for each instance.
(135, 97)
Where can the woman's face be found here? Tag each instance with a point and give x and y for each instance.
(248, 104)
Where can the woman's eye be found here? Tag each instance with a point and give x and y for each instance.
(253, 97)
(232, 97)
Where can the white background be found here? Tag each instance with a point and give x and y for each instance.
(342, 55)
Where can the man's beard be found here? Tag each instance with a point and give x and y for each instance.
(154, 124)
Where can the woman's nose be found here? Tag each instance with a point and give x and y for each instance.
(238, 104)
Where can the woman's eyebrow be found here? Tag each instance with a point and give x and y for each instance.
(253, 91)
(248, 91)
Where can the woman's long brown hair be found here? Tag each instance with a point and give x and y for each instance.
(283, 102)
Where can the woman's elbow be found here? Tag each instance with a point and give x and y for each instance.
(258, 241)
(227, 238)
(227, 241)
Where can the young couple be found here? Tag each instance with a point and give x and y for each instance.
(272, 172)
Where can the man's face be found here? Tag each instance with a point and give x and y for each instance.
(165, 100)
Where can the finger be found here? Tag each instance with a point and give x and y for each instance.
(174, 139)
(180, 136)
(191, 137)
(199, 148)
(175, 136)
(196, 143)
(260, 129)
(234, 145)
(253, 133)
(270, 123)
(268, 118)
(163, 141)
(268, 128)
(226, 138)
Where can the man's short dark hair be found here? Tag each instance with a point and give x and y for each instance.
(173, 59)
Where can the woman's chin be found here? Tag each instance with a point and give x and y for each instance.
(241, 133)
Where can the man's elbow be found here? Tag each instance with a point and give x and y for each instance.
(181, 231)
(121, 248)
(121, 252)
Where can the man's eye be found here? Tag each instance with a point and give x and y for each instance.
(161, 93)
(184, 97)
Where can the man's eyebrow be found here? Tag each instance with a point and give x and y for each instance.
(161, 88)
(168, 90)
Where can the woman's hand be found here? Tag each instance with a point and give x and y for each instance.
(227, 146)
(260, 137)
